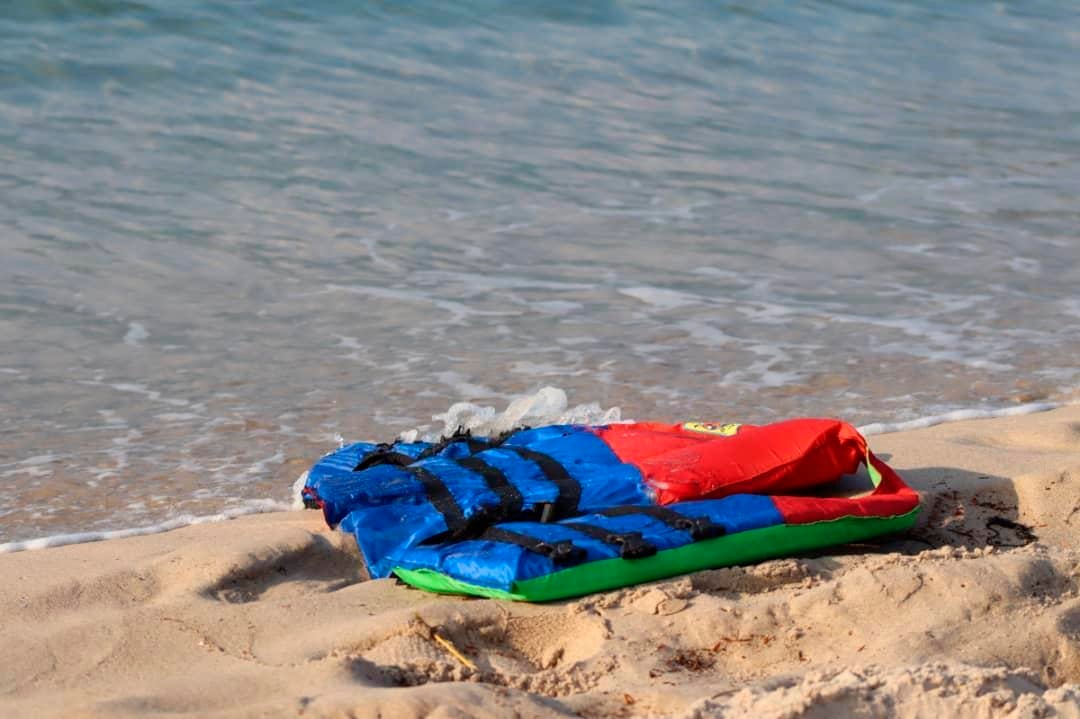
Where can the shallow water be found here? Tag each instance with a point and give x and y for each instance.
(228, 234)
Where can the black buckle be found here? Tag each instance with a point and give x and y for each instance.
(632, 545)
(562, 552)
(701, 528)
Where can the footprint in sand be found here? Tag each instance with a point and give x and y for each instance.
(334, 565)
(541, 651)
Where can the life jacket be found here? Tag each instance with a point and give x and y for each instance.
(460, 487)
(403, 496)
(625, 545)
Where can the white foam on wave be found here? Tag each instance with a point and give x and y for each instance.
(37, 466)
(957, 416)
(554, 307)
(457, 382)
(257, 506)
(136, 334)
(458, 311)
(661, 298)
(153, 395)
(1071, 306)
(478, 283)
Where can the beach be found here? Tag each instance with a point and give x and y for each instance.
(235, 237)
(975, 613)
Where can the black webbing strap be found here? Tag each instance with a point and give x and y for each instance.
(383, 454)
(459, 526)
(477, 444)
(566, 504)
(510, 499)
(698, 527)
(561, 552)
(441, 499)
(631, 545)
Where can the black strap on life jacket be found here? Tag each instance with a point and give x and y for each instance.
(510, 499)
(441, 498)
(383, 454)
(699, 528)
(475, 444)
(399, 459)
(459, 526)
(566, 504)
(631, 545)
(561, 552)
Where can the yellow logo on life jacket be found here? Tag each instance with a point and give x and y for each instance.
(727, 429)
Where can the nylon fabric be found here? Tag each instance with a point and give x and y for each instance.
(630, 545)
(390, 508)
(510, 499)
(499, 565)
(568, 489)
(698, 527)
(332, 474)
(679, 463)
(740, 548)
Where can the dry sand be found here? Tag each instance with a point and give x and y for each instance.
(970, 615)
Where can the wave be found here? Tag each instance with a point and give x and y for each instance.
(257, 506)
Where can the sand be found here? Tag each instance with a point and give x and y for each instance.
(974, 614)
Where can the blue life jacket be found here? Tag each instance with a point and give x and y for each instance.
(394, 497)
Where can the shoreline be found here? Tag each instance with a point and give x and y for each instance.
(265, 506)
(268, 615)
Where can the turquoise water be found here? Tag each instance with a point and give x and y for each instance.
(231, 231)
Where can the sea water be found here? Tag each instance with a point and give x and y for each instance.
(231, 233)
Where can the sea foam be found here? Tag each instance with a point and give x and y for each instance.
(255, 506)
